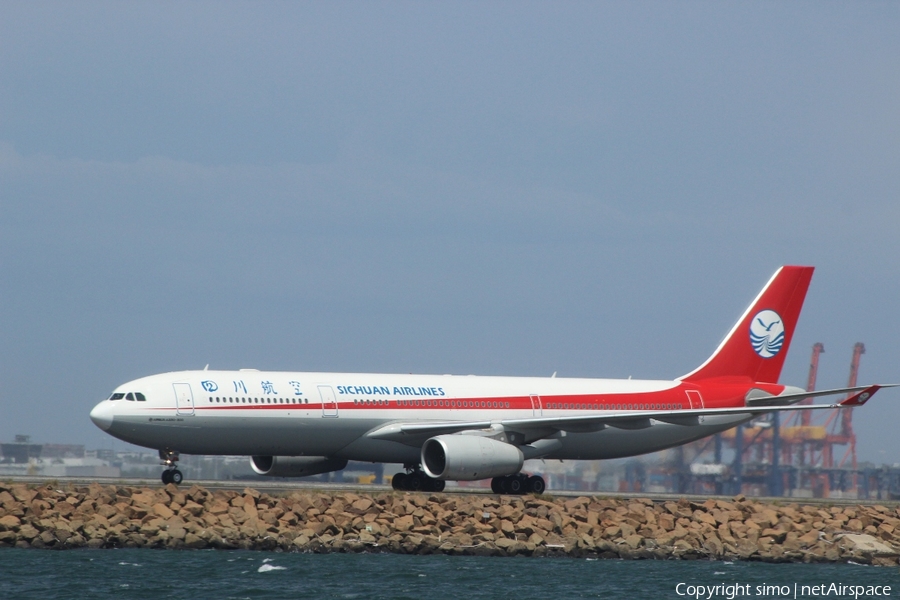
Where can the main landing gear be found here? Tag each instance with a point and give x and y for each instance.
(171, 474)
(518, 484)
(416, 481)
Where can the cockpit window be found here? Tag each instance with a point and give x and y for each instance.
(129, 396)
(140, 397)
(117, 396)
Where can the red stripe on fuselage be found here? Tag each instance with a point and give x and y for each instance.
(721, 395)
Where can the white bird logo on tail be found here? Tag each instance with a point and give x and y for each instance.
(767, 333)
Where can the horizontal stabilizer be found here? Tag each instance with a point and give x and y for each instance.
(788, 399)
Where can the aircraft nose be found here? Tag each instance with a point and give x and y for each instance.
(102, 415)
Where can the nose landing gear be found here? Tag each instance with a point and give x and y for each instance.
(172, 476)
(169, 458)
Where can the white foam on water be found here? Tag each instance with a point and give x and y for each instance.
(266, 568)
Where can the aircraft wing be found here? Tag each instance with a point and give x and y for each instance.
(415, 433)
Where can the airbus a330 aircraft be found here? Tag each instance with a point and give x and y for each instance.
(445, 427)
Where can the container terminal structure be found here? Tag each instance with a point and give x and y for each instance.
(792, 454)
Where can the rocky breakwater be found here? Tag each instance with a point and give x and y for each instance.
(171, 517)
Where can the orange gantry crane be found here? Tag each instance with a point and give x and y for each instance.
(802, 442)
(843, 435)
(797, 451)
(809, 446)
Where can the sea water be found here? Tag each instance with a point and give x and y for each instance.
(216, 574)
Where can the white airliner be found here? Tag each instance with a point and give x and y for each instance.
(446, 427)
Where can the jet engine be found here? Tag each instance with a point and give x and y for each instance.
(469, 457)
(295, 466)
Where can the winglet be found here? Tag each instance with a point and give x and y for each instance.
(860, 398)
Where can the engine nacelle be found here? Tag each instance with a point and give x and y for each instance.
(469, 457)
(295, 466)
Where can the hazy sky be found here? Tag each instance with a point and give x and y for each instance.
(507, 188)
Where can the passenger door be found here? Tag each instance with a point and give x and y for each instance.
(536, 409)
(184, 399)
(694, 398)
(329, 403)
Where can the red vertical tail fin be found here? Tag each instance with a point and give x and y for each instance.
(756, 346)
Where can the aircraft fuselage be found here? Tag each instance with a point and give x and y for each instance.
(330, 414)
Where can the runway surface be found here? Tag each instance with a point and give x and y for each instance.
(279, 486)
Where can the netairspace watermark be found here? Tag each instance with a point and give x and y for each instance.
(730, 591)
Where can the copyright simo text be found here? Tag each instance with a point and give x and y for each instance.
(737, 590)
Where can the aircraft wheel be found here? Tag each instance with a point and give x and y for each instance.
(536, 485)
(437, 485)
(176, 477)
(167, 477)
(399, 481)
(414, 482)
(515, 485)
(495, 485)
